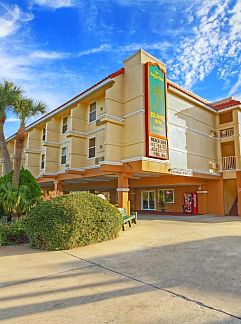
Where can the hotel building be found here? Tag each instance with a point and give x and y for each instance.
(141, 140)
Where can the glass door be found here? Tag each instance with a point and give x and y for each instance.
(149, 200)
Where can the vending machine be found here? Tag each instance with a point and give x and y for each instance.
(190, 203)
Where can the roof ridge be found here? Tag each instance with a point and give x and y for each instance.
(110, 76)
(226, 103)
(188, 92)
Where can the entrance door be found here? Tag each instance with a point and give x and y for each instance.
(148, 200)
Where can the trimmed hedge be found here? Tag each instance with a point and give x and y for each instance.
(72, 220)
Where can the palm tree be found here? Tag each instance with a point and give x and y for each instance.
(9, 94)
(24, 109)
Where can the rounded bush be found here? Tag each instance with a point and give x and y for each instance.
(72, 220)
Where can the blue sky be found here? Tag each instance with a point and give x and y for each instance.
(55, 49)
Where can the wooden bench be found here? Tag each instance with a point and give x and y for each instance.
(127, 218)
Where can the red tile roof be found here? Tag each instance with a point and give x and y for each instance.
(117, 73)
(188, 93)
(219, 105)
(226, 103)
(110, 76)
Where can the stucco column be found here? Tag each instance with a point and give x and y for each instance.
(123, 190)
(239, 191)
(215, 197)
(58, 185)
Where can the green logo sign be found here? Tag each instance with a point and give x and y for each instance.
(156, 126)
(157, 91)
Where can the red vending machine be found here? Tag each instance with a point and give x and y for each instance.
(190, 203)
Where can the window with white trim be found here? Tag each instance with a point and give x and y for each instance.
(44, 134)
(42, 162)
(92, 142)
(166, 196)
(92, 112)
(64, 125)
(63, 155)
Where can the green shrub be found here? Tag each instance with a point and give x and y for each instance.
(13, 233)
(27, 179)
(72, 220)
(2, 234)
(18, 201)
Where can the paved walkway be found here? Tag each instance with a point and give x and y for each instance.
(163, 270)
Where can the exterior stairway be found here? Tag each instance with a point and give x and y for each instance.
(234, 209)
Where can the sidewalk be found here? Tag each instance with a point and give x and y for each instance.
(159, 271)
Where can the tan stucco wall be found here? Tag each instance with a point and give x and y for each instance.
(120, 132)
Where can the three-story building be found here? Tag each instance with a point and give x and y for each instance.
(141, 138)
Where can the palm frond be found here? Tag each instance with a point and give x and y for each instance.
(9, 93)
(26, 108)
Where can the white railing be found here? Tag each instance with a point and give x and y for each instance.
(229, 162)
(226, 132)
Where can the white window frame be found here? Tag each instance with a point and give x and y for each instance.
(91, 147)
(42, 161)
(64, 125)
(44, 134)
(66, 155)
(94, 111)
(142, 192)
(167, 189)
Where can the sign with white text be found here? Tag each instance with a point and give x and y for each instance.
(155, 110)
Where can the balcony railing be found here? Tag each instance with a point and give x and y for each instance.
(229, 163)
(226, 132)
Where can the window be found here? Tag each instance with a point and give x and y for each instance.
(91, 148)
(44, 134)
(65, 125)
(92, 114)
(166, 195)
(42, 163)
(63, 155)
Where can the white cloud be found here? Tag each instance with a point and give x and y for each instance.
(236, 88)
(23, 62)
(235, 20)
(125, 49)
(160, 46)
(215, 42)
(40, 73)
(143, 2)
(12, 120)
(55, 4)
(11, 18)
(101, 48)
(48, 55)
(40, 78)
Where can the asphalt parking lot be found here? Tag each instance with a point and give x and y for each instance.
(162, 270)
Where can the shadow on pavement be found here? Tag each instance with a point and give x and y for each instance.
(206, 271)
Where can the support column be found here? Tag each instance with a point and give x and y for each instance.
(123, 191)
(239, 191)
(58, 185)
(215, 197)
